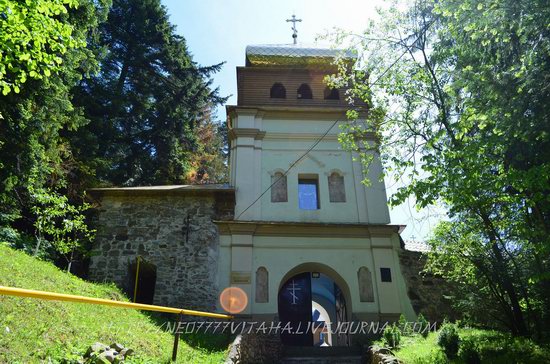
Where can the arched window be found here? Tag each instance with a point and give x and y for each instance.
(304, 92)
(336, 189)
(262, 285)
(278, 91)
(278, 188)
(332, 94)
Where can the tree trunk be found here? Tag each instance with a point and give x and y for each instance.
(70, 262)
(38, 242)
(504, 279)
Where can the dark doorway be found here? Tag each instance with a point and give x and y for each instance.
(147, 278)
(295, 310)
(314, 303)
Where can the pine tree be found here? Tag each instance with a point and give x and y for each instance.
(145, 103)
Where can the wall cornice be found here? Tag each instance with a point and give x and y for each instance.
(313, 229)
(257, 134)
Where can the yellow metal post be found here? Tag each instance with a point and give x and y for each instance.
(137, 276)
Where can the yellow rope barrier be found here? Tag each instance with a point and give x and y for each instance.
(20, 292)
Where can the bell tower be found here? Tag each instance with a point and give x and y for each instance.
(307, 232)
(286, 162)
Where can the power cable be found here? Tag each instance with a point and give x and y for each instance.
(289, 168)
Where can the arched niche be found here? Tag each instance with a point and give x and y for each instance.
(262, 285)
(336, 187)
(279, 189)
(366, 291)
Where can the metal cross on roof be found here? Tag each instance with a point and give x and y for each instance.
(294, 30)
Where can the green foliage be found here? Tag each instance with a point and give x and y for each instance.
(101, 97)
(63, 223)
(145, 105)
(34, 35)
(449, 340)
(36, 330)
(34, 153)
(392, 336)
(469, 352)
(457, 101)
(491, 346)
(403, 326)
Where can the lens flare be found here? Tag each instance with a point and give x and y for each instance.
(233, 300)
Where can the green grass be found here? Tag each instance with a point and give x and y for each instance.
(34, 330)
(493, 347)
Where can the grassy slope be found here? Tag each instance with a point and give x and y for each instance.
(33, 330)
(493, 346)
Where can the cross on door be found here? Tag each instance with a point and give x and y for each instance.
(293, 288)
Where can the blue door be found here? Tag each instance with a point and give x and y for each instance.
(295, 310)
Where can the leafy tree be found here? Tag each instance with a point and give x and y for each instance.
(458, 95)
(145, 104)
(208, 161)
(60, 224)
(43, 54)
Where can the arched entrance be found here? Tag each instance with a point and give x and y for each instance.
(312, 300)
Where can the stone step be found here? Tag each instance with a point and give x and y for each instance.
(316, 351)
(321, 355)
(353, 359)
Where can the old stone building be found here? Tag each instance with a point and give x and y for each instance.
(295, 228)
(171, 229)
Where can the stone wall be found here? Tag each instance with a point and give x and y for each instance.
(174, 231)
(429, 294)
(253, 348)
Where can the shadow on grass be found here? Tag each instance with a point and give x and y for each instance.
(210, 341)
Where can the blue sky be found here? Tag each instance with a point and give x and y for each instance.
(219, 31)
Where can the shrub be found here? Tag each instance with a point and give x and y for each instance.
(403, 326)
(469, 352)
(424, 328)
(392, 336)
(449, 340)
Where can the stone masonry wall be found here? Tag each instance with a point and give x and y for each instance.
(429, 295)
(173, 231)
